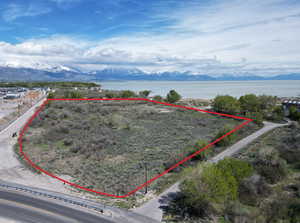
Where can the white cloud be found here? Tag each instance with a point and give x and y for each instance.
(236, 37)
(14, 11)
(65, 1)
(65, 4)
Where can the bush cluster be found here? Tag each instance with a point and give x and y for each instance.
(213, 184)
(252, 106)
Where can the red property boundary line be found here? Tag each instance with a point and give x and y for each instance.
(23, 154)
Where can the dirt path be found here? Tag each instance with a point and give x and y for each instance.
(154, 208)
(11, 169)
(268, 126)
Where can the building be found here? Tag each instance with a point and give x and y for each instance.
(12, 96)
(287, 103)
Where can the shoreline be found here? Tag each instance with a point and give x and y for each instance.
(209, 89)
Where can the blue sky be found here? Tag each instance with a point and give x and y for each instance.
(201, 36)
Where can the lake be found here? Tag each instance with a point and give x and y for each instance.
(210, 89)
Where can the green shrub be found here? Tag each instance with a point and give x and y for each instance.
(158, 98)
(270, 165)
(237, 168)
(267, 102)
(111, 94)
(281, 209)
(173, 96)
(145, 93)
(226, 104)
(256, 116)
(277, 113)
(227, 140)
(127, 94)
(253, 189)
(212, 185)
(51, 95)
(199, 145)
(294, 114)
(294, 211)
(72, 94)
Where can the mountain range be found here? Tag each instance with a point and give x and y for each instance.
(9, 72)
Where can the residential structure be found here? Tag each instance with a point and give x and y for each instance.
(287, 103)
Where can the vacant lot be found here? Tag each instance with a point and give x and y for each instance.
(108, 146)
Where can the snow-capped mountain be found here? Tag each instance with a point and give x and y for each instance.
(33, 71)
(114, 71)
(38, 66)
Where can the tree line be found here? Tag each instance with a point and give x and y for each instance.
(259, 108)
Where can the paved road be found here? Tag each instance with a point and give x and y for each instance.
(23, 208)
(154, 207)
(268, 126)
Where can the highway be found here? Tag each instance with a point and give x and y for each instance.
(24, 208)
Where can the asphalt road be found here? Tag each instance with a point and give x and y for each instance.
(154, 207)
(268, 126)
(23, 208)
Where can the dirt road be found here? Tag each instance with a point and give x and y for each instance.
(11, 169)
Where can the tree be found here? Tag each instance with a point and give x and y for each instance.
(226, 104)
(173, 96)
(127, 94)
(237, 168)
(256, 116)
(249, 103)
(145, 93)
(294, 114)
(213, 185)
(267, 102)
(277, 113)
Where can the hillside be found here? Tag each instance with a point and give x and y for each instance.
(261, 184)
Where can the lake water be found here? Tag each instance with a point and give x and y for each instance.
(210, 89)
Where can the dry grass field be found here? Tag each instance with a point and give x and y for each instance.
(107, 145)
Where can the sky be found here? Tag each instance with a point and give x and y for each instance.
(214, 37)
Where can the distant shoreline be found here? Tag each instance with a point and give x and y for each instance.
(101, 81)
(209, 89)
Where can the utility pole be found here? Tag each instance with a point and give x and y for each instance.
(146, 177)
